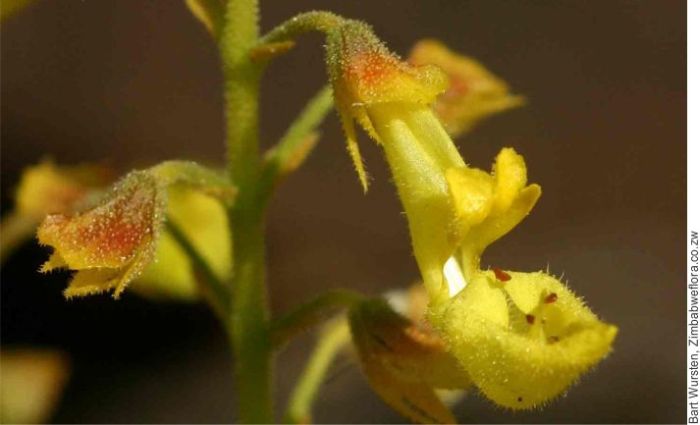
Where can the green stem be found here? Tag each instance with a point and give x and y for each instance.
(311, 313)
(330, 342)
(248, 326)
(218, 293)
(248, 319)
(293, 147)
(241, 89)
(304, 22)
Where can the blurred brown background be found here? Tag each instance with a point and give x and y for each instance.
(137, 82)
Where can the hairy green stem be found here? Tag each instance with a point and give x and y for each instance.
(332, 339)
(248, 319)
(241, 90)
(248, 325)
(305, 22)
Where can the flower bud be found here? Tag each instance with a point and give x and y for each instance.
(112, 242)
(364, 73)
(404, 363)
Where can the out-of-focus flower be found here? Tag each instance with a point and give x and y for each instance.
(454, 212)
(473, 93)
(45, 189)
(113, 242)
(10, 7)
(404, 362)
(31, 384)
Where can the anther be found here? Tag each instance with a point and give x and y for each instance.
(549, 299)
(501, 275)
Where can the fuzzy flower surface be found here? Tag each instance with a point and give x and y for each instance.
(114, 241)
(522, 338)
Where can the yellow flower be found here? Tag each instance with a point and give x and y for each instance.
(114, 241)
(443, 197)
(454, 212)
(44, 189)
(523, 337)
(474, 93)
(405, 362)
(31, 384)
(204, 222)
(365, 74)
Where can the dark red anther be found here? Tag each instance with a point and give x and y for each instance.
(551, 298)
(552, 339)
(501, 275)
(530, 319)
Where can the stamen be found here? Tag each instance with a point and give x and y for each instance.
(552, 297)
(454, 277)
(501, 275)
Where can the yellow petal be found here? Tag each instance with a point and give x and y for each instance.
(489, 206)
(204, 222)
(418, 164)
(111, 234)
(472, 193)
(473, 93)
(510, 174)
(521, 345)
(497, 225)
(46, 188)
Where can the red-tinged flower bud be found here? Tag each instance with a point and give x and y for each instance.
(364, 73)
(112, 242)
